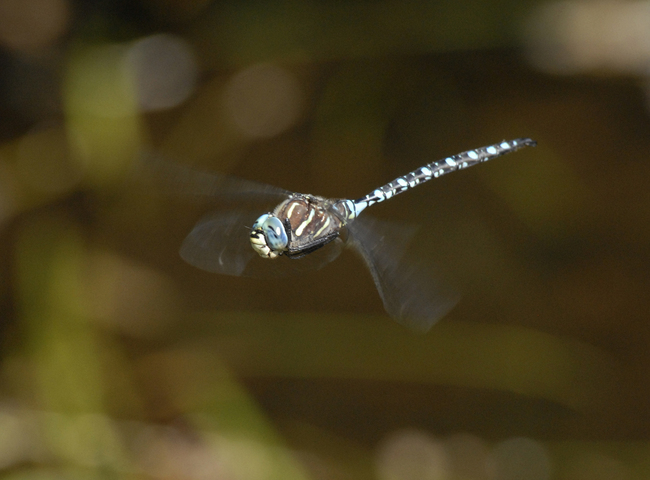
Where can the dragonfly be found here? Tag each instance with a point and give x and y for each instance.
(304, 232)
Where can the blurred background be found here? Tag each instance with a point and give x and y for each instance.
(118, 360)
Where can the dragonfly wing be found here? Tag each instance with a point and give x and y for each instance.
(176, 179)
(220, 243)
(408, 290)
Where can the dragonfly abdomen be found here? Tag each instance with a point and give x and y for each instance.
(439, 168)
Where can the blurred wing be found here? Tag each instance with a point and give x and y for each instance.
(220, 243)
(408, 290)
(176, 179)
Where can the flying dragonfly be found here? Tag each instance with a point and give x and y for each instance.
(311, 230)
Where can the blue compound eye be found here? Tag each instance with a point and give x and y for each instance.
(273, 231)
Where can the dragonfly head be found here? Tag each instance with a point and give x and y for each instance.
(268, 236)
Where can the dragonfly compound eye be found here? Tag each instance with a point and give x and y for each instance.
(268, 236)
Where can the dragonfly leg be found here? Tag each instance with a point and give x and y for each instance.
(287, 228)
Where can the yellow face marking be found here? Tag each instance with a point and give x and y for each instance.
(304, 224)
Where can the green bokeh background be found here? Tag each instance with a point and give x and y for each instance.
(119, 360)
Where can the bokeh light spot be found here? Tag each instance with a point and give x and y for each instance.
(263, 100)
(133, 299)
(412, 455)
(165, 71)
(570, 37)
(31, 24)
(521, 459)
(15, 442)
(470, 458)
(99, 83)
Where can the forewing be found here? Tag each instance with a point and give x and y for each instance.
(176, 179)
(408, 290)
(220, 243)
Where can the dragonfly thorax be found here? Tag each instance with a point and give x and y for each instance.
(268, 236)
(299, 225)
